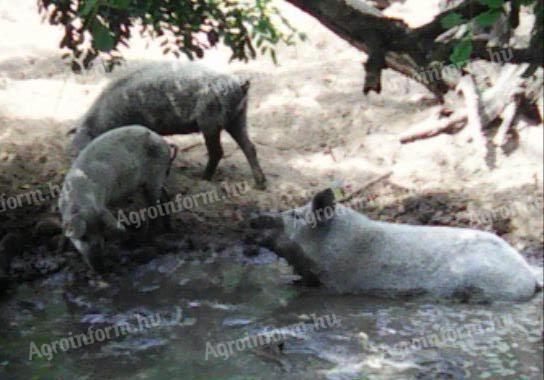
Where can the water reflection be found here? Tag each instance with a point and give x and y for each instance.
(188, 304)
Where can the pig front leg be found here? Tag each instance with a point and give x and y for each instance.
(87, 260)
(155, 194)
(166, 220)
(91, 253)
(62, 244)
(95, 256)
(303, 265)
(281, 245)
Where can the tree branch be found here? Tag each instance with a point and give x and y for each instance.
(494, 101)
(387, 41)
(391, 43)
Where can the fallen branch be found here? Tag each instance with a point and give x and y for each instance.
(283, 148)
(434, 125)
(508, 85)
(480, 110)
(365, 186)
(533, 96)
(508, 117)
(474, 110)
(189, 147)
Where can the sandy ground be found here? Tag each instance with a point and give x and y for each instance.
(310, 121)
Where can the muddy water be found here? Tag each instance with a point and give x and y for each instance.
(229, 317)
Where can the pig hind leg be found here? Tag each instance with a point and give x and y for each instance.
(215, 152)
(241, 137)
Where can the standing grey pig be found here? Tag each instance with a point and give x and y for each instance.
(176, 98)
(349, 253)
(114, 165)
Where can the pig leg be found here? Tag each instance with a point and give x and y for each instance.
(165, 198)
(95, 256)
(62, 244)
(150, 200)
(92, 256)
(306, 267)
(240, 136)
(87, 261)
(155, 197)
(215, 152)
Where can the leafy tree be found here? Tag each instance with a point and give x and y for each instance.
(487, 16)
(189, 27)
(184, 27)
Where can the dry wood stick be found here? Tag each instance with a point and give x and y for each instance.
(507, 118)
(365, 186)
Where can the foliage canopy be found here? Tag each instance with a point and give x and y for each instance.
(246, 27)
(184, 27)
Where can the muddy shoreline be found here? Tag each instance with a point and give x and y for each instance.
(32, 234)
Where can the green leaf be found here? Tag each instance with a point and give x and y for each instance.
(118, 4)
(103, 40)
(451, 20)
(495, 4)
(489, 17)
(461, 52)
(88, 7)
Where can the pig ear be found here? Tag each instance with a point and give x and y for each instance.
(323, 200)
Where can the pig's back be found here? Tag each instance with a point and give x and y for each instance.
(443, 260)
(183, 77)
(165, 97)
(123, 159)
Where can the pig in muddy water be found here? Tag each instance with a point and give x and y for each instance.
(116, 164)
(349, 253)
(176, 98)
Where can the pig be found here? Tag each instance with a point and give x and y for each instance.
(116, 164)
(347, 252)
(175, 98)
